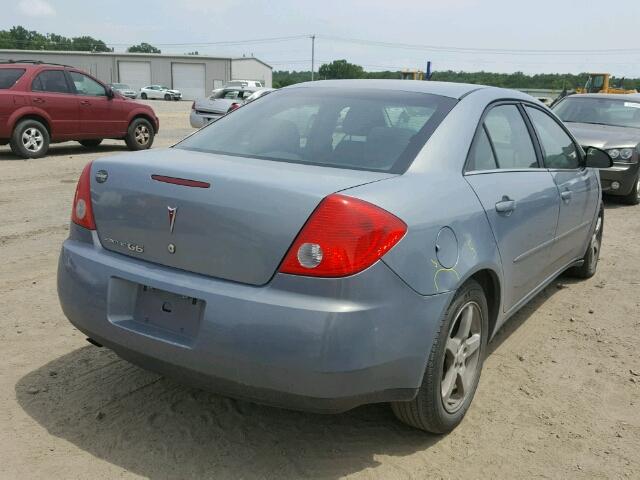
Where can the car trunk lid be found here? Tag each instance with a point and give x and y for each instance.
(238, 228)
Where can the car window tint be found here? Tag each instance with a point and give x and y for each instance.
(50, 81)
(510, 138)
(346, 128)
(558, 149)
(481, 155)
(87, 86)
(9, 76)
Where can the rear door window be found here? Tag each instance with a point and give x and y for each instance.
(510, 138)
(481, 156)
(53, 81)
(9, 77)
(366, 129)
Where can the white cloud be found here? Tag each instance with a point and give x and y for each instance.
(36, 8)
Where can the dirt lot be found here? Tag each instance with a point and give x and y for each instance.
(559, 396)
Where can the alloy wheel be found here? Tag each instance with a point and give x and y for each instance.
(141, 134)
(462, 353)
(32, 139)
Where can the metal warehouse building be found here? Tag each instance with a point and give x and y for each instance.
(194, 75)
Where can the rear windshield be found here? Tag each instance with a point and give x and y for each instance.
(600, 111)
(361, 129)
(9, 76)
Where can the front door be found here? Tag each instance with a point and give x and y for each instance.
(100, 116)
(520, 199)
(577, 186)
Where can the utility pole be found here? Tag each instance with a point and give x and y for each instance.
(313, 54)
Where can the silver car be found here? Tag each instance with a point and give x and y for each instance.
(124, 90)
(334, 244)
(159, 92)
(218, 104)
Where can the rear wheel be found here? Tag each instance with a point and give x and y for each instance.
(91, 143)
(140, 135)
(167, 96)
(591, 257)
(453, 369)
(143, 96)
(633, 198)
(30, 139)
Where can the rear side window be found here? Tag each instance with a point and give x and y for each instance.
(510, 138)
(481, 156)
(558, 149)
(9, 77)
(50, 81)
(364, 129)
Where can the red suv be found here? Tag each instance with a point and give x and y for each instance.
(43, 103)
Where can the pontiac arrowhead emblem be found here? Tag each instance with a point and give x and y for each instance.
(173, 211)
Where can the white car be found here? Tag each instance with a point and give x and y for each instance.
(244, 84)
(160, 92)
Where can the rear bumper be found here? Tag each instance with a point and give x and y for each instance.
(626, 176)
(312, 344)
(199, 120)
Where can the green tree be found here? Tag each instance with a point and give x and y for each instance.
(340, 69)
(143, 48)
(19, 38)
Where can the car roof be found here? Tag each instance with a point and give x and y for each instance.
(445, 89)
(613, 96)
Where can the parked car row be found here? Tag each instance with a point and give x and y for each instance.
(152, 92)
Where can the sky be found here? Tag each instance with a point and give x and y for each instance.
(545, 36)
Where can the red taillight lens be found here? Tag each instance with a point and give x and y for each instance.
(342, 237)
(233, 107)
(82, 213)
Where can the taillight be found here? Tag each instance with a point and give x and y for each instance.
(233, 106)
(82, 213)
(342, 237)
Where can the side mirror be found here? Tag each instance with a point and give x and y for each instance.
(597, 158)
(110, 93)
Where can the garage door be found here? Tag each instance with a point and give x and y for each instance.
(135, 74)
(189, 79)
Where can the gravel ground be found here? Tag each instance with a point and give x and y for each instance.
(559, 396)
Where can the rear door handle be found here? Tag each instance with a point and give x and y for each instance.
(566, 195)
(85, 102)
(506, 205)
(38, 100)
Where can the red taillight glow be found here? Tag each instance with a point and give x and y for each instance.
(82, 213)
(343, 236)
(233, 106)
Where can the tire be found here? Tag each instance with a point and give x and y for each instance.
(90, 143)
(140, 134)
(633, 198)
(427, 411)
(167, 97)
(591, 257)
(143, 96)
(30, 139)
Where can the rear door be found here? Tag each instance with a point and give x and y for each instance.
(51, 92)
(519, 197)
(100, 116)
(577, 186)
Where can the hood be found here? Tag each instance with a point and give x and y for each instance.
(218, 105)
(604, 136)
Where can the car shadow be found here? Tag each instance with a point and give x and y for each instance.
(63, 149)
(158, 428)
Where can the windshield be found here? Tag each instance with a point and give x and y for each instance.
(376, 130)
(601, 111)
(230, 94)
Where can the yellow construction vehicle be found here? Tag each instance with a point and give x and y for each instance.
(412, 74)
(600, 83)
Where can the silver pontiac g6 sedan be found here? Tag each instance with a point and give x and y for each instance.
(334, 244)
